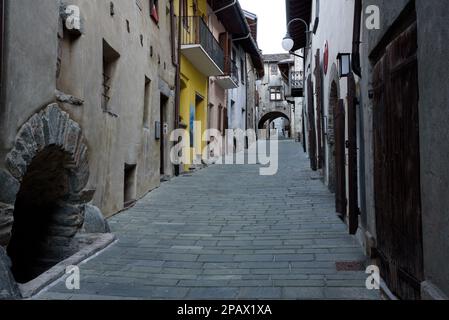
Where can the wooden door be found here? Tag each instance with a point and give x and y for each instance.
(340, 157)
(312, 126)
(319, 109)
(397, 165)
(162, 140)
(353, 195)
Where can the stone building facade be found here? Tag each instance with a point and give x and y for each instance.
(419, 28)
(83, 109)
(381, 147)
(272, 93)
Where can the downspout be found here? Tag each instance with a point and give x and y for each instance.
(225, 7)
(177, 63)
(356, 67)
(173, 34)
(356, 38)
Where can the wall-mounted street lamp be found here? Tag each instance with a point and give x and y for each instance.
(288, 43)
(344, 64)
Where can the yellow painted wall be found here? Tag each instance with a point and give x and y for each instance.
(195, 84)
(202, 7)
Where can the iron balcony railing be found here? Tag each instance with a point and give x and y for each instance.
(196, 31)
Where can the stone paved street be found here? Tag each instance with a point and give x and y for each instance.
(227, 233)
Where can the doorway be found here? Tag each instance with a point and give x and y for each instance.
(333, 105)
(340, 158)
(163, 128)
(311, 126)
(200, 118)
(129, 189)
(397, 185)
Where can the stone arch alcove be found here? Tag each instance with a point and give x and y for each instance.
(44, 204)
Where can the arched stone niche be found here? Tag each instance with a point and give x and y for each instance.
(43, 195)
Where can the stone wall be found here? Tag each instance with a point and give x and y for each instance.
(433, 88)
(68, 69)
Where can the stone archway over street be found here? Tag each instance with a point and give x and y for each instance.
(270, 116)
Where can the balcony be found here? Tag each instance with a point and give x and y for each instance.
(200, 47)
(297, 84)
(230, 79)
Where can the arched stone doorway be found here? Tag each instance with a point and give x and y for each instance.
(46, 175)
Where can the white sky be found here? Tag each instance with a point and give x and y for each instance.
(272, 23)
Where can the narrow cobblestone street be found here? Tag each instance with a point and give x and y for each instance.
(226, 233)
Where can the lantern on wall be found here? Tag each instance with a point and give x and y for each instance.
(344, 64)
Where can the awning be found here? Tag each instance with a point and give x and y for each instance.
(299, 9)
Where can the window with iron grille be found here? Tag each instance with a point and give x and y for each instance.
(276, 94)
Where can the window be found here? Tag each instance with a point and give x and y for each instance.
(276, 94)
(220, 118)
(154, 10)
(129, 186)
(147, 103)
(274, 70)
(110, 59)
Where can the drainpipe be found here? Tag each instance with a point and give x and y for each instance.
(178, 69)
(356, 38)
(225, 7)
(356, 67)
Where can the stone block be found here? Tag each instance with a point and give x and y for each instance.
(94, 222)
(6, 221)
(16, 165)
(38, 132)
(8, 286)
(9, 187)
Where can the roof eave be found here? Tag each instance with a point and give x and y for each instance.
(298, 9)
